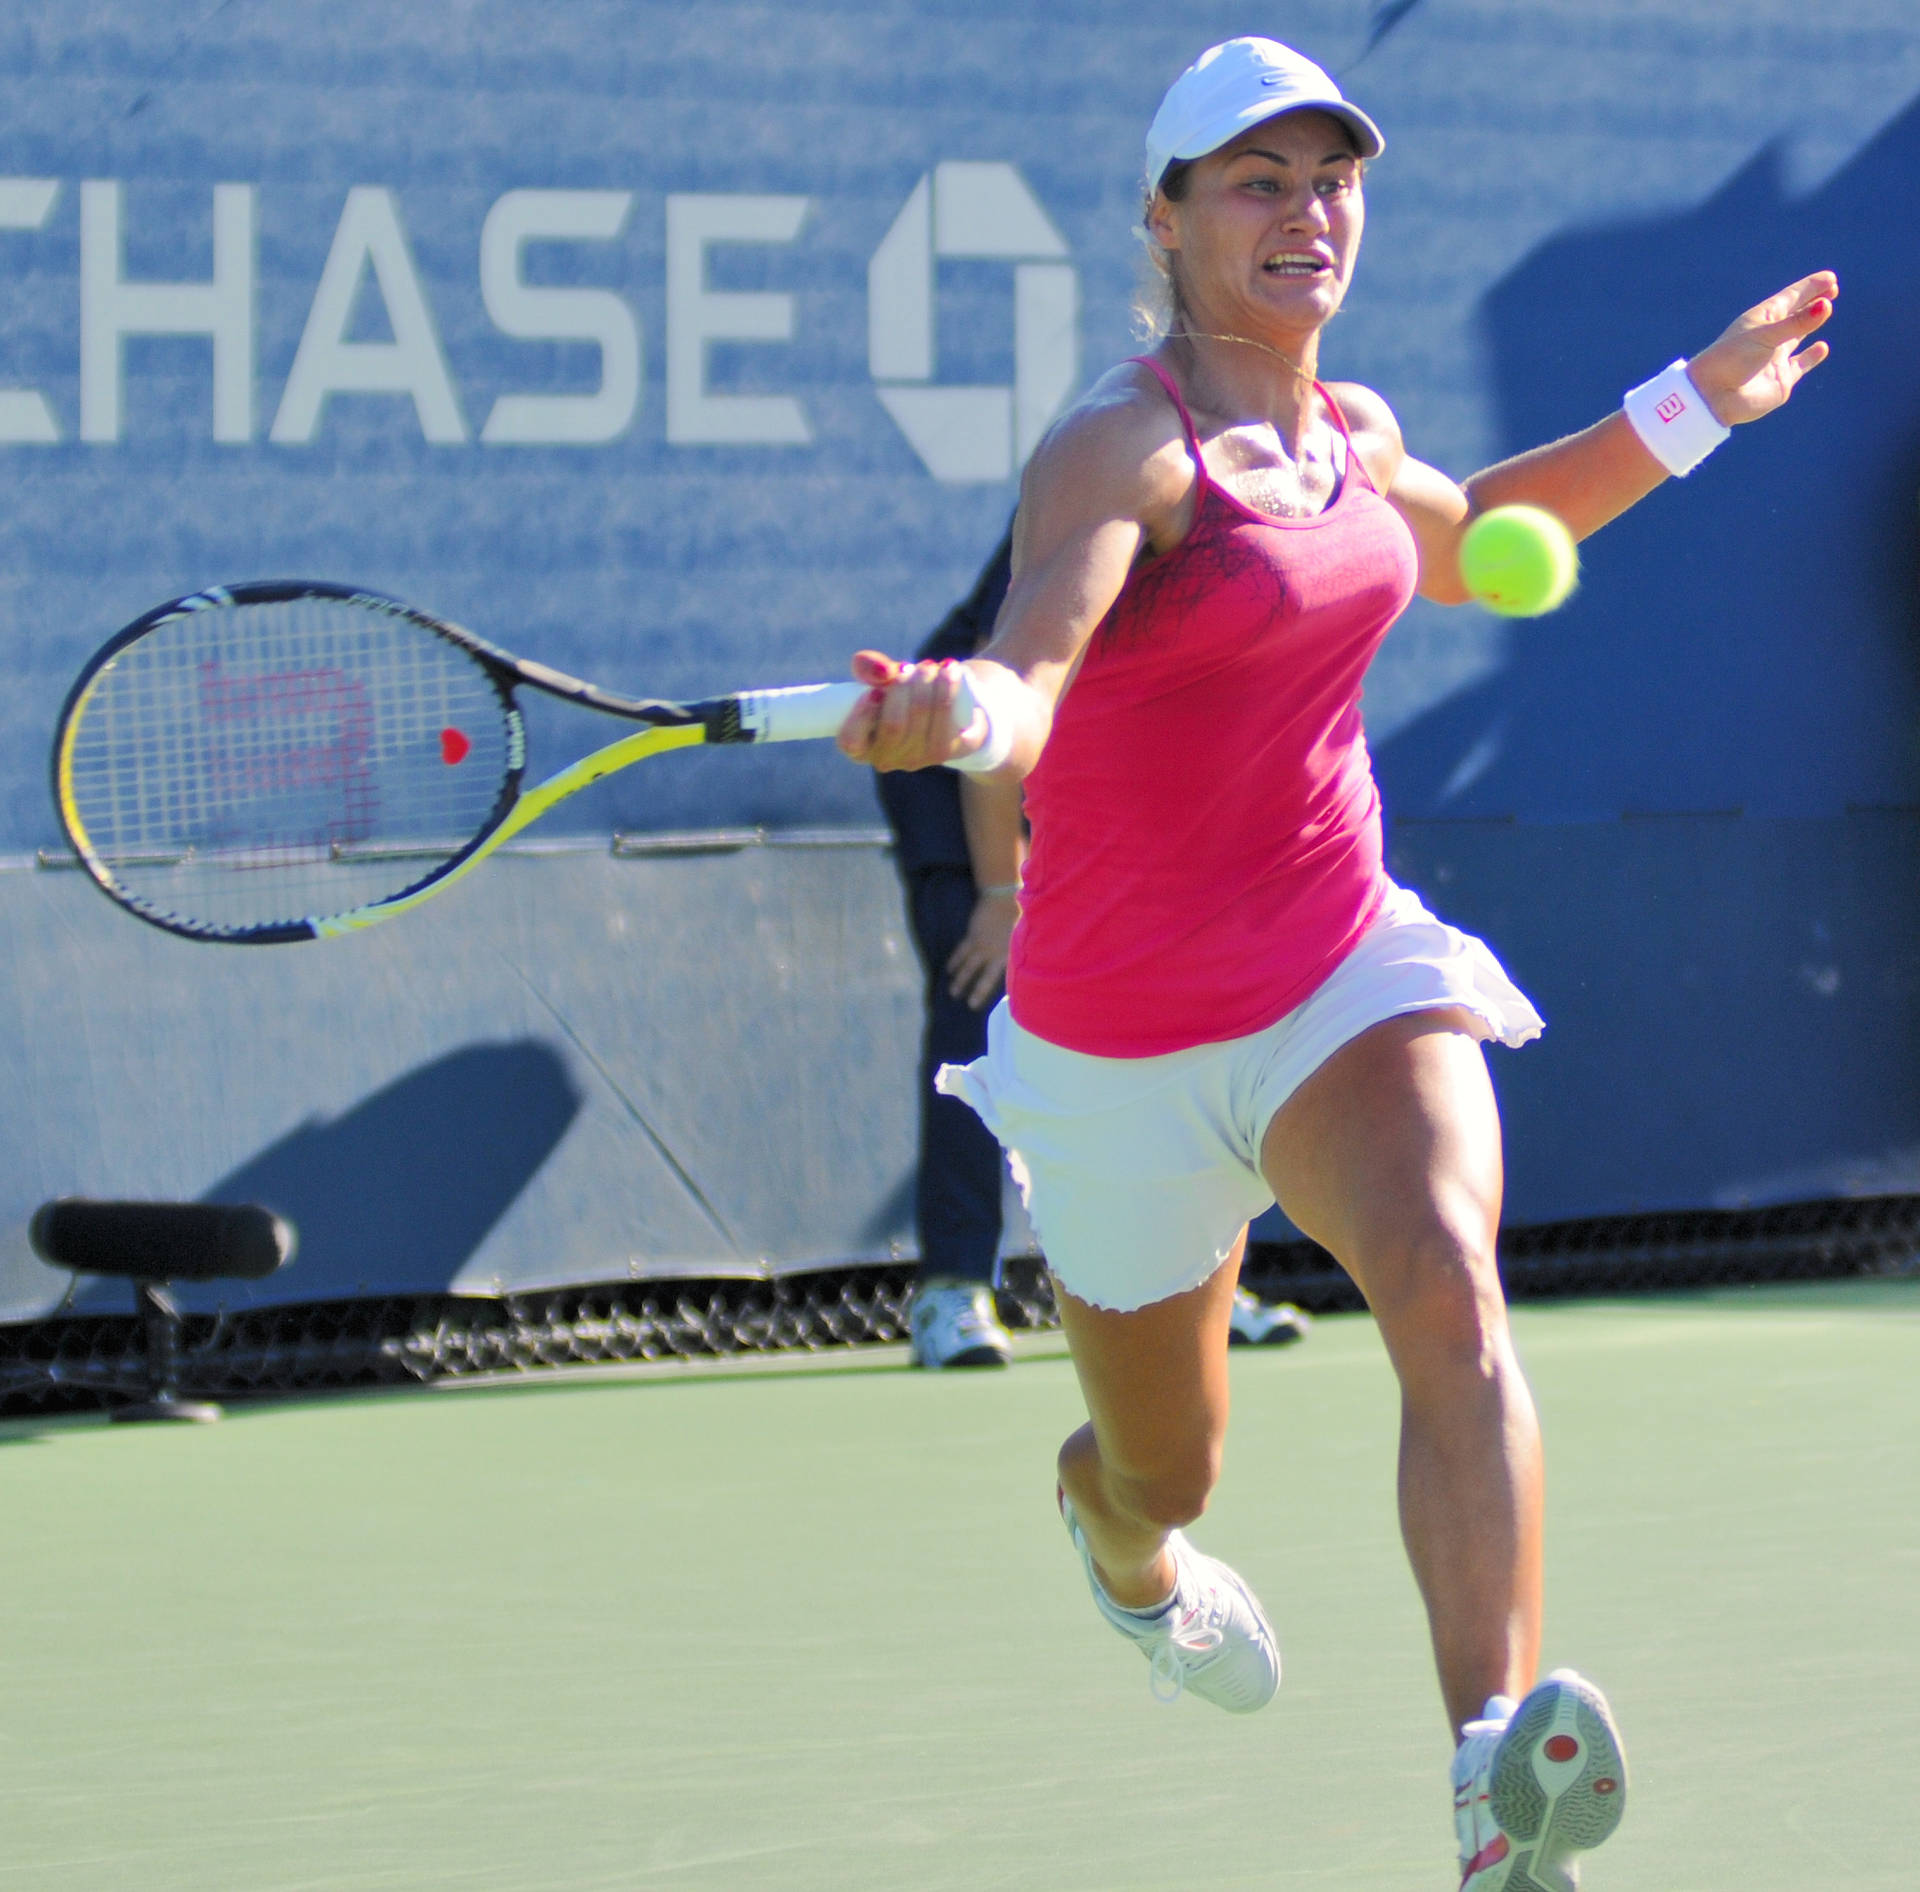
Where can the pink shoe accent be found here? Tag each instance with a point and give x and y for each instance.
(1491, 1854)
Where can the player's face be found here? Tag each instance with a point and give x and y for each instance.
(1269, 228)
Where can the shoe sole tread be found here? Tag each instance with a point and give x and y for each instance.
(967, 1356)
(1573, 1816)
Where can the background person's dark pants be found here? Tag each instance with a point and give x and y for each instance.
(957, 1196)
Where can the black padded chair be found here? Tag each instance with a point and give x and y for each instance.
(154, 1244)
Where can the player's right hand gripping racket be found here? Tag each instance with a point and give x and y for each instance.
(271, 762)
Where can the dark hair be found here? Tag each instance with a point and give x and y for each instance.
(1174, 179)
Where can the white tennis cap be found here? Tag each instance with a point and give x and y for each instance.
(1234, 85)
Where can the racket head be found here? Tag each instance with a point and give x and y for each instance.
(260, 763)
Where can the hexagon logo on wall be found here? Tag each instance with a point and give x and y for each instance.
(987, 212)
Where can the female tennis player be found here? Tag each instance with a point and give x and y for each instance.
(1216, 998)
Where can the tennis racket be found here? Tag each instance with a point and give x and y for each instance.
(264, 763)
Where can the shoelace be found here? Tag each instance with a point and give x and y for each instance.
(1185, 1643)
(1187, 1638)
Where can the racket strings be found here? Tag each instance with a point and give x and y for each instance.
(250, 764)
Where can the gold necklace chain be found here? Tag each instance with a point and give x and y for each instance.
(1266, 348)
(1279, 505)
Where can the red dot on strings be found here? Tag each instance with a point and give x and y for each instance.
(454, 747)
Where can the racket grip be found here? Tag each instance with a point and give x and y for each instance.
(808, 712)
(999, 743)
(805, 713)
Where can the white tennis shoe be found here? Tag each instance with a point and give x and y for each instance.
(1257, 1323)
(954, 1323)
(1535, 1785)
(1212, 1640)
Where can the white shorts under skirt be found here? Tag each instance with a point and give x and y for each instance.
(1139, 1173)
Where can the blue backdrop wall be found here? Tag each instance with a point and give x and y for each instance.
(690, 348)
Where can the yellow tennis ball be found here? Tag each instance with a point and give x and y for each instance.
(1519, 561)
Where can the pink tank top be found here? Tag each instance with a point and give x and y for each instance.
(1206, 830)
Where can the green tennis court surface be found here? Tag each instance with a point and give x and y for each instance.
(822, 1630)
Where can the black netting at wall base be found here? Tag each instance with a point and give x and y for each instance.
(1639, 1254)
(83, 1362)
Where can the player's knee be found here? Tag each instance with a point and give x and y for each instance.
(1439, 1304)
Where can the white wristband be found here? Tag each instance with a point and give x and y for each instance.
(999, 743)
(1672, 417)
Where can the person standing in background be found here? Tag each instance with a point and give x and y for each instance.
(960, 842)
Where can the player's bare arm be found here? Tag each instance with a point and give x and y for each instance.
(1590, 478)
(1111, 478)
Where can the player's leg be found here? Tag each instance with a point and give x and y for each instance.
(1139, 1192)
(1389, 1157)
(1155, 1382)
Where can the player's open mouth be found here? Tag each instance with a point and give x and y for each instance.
(1295, 263)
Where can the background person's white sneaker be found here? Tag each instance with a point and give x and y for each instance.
(954, 1323)
(1211, 1638)
(1536, 1785)
(1257, 1323)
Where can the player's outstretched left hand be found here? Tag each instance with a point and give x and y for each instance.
(1752, 368)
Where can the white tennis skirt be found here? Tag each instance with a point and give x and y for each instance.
(1139, 1173)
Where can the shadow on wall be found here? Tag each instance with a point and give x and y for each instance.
(399, 1192)
(1744, 639)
